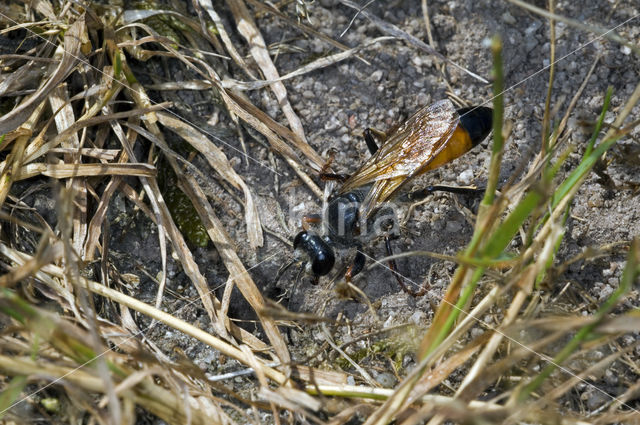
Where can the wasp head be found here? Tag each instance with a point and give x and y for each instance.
(315, 251)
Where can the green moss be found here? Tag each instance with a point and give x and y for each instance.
(182, 210)
(51, 405)
(395, 348)
(166, 25)
(185, 216)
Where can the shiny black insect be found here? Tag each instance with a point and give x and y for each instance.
(433, 136)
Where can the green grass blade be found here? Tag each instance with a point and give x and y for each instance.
(498, 115)
(11, 393)
(629, 276)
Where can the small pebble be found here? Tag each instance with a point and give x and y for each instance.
(530, 44)
(406, 361)
(596, 399)
(465, 177)
(300, 207)
(453, 226)
(610, 378)
(532, 29)
(389, 322)
(423, 99)
(418, 317)
(605, 292)
(476, 332)
(508, 18)
(386, 379)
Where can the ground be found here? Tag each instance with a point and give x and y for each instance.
(380, 88)
(337, 103)
(391, 81)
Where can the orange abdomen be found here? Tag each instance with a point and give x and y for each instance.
(458, 144)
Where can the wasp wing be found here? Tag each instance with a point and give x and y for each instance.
(406, 152)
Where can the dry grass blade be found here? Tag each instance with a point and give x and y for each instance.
(241, 107)
(258, 48)
(153, 397)
(105, 154)
(175, 236)
(65, 171)
(447, 367)
(14, 162)
(525, 284)
(315, 65)
(220, 163)
(594, 370)
(403, 35)
(224, 35)
(46, 255)
(136, 287)
(70, 51)
(602, 32)
(235, 267)
(225, 247)
(524, 275)
(21, 260)
(238, 274)
(269, 128)
(39, 147)
(64, 119)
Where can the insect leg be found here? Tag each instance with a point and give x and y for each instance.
(420, 194)
(334, 176)
(370, 135)
(324, 171)
(331, 155)
(394, 269)
(310, 219)
(356, 265)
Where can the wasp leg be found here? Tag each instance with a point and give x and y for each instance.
(370, 134)
(324, 171)
(419, 197)
(369, 140)
(327, 165)
(356, 266)
(310, 219)
(334, 176)
(420, 194)
(394, 269)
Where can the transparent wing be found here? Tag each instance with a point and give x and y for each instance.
(406, 152)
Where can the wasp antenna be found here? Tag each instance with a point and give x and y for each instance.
(283, 269)
(303, 265)
(295, 283)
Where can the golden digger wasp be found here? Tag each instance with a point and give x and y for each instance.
(435, 135)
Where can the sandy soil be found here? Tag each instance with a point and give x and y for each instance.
(390, 82)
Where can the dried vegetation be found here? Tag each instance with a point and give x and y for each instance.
(75, 114)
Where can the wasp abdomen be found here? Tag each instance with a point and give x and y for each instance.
(477, 121)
